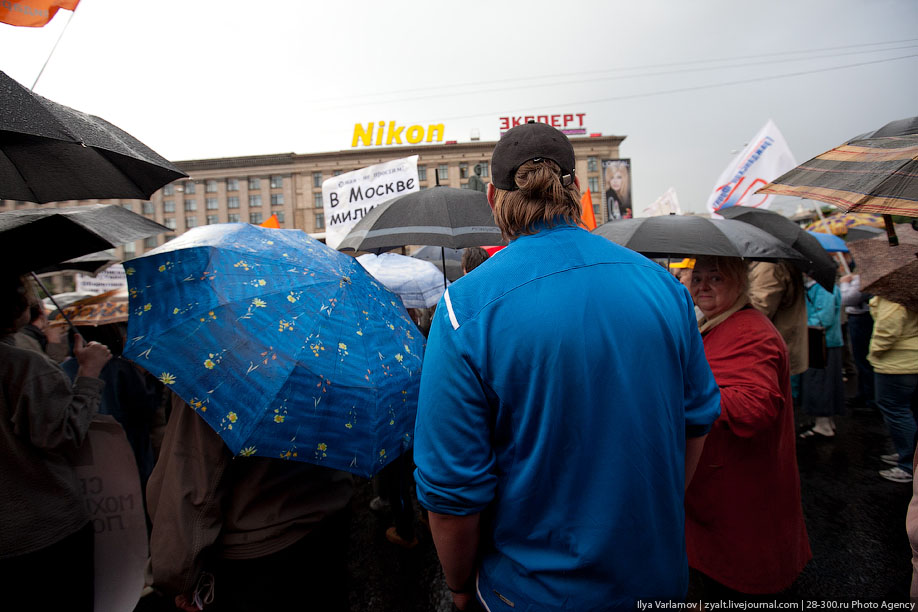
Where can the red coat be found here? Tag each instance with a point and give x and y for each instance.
(744, 521)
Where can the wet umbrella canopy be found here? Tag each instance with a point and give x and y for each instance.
(284, 346)
(687, 236)
(32, 239)
(816, 261)
(439, 216)
(50, 152)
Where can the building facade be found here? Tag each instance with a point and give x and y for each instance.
(250, 189)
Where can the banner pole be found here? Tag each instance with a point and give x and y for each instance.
(45, 65)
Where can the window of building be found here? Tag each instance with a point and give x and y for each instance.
(593, 182)
(191, 205)
(319, 203)
(255, 200)
(280, 216)
(169, 222)
(189, 186)
(148, 208)
(210, 186)
(484, 168)
(232, 202)
(130, 249)
(128, 206)
(168, 205)
(211, 203)
(422, 173)
(169, 190)
(316, 179)
(277, 199)
(336, 172)
(592, 164)
(232, 218)
(149, 242)
(191, 222)
(254, 183)
(443, 172)
(211, 219)
(463, 170)
(255, 217)
(277, 182)
(320, 221)
(232, 184)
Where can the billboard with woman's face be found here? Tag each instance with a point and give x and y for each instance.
(616, 181)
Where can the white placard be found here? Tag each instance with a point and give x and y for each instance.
(349, 196)
(109, 279)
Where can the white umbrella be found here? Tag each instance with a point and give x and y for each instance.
(418, 283)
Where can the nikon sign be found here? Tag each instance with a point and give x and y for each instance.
(390, 133)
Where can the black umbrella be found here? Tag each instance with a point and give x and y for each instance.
(863, 232)
(688, 236)
(51, 153)
(91, 264)
(440, 216)
(435, 255)
(32, 239)
(817, 263)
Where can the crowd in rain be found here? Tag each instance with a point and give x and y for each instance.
(592, 428)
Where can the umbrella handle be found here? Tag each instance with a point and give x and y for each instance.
(890, 230)
(443, 259)
(53, 301)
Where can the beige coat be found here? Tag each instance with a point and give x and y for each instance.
(204, 501)
(776, 290)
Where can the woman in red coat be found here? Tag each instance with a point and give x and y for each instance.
(744, 522)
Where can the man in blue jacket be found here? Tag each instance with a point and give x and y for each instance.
(564, 401)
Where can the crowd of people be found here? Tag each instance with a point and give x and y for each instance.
(592, 431)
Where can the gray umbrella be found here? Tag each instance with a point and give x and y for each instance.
(91, 264)
(51, 153)
(436, 255)
(688, 236)
(817, 262)
(32, 239)
(439, 216)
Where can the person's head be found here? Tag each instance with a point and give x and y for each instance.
(15, 300)
(717, 282)
(477, 169)
(473, 257)
(617, 177)
(532, 180)
(38, 314)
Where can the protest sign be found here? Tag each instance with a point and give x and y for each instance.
(111, 278)
(349, 196)
(111, 491)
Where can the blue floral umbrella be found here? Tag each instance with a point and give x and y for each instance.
(286, 347)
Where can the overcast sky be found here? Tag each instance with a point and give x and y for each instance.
(687, 83)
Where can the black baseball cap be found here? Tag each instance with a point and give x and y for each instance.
(528, 142)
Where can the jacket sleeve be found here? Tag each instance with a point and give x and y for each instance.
(888, 323)
(766, 287)
(748, 368)
(822, 306)
(185, 497)
(50, 411)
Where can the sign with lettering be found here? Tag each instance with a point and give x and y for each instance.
(111, 278)
(111, 492)
(569, 123)
(390, 133)
(349, 196)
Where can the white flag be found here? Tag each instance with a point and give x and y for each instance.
(666, 204)
(764, 159)
(349, 196)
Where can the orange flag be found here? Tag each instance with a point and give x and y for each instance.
(586, 203)
(271, 222)
(33, 13)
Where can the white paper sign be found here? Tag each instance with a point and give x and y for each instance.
(349, 196)
(764, 159)
(111, 491)
(109, 279)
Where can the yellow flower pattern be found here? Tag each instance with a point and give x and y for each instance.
(166, 378)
